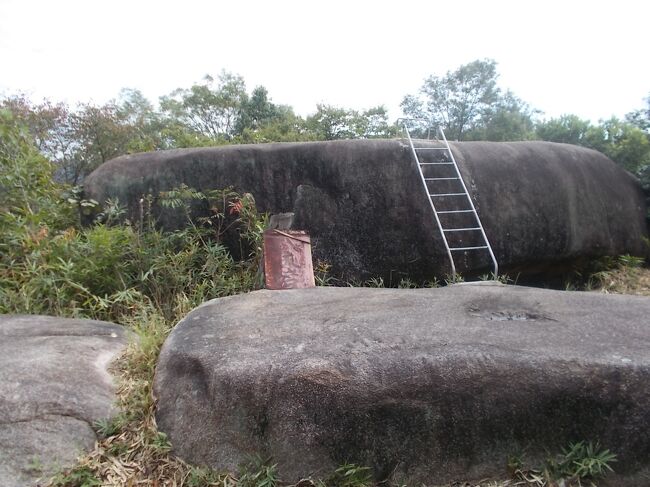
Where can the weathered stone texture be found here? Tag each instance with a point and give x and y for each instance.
(431, 384)
(542, 204)
(54, 384)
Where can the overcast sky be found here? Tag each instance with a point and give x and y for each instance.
(584, 57)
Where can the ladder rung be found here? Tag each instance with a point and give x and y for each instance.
(461, 229)
(447, 159)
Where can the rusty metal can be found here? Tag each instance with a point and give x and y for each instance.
(287, 259)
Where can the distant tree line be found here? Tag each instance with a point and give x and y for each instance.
(213, 112)
(467, 102)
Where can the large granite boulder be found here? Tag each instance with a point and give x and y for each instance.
(428, 385)
(542, 204)
(54, 384)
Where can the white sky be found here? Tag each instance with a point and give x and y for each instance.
(584, 57)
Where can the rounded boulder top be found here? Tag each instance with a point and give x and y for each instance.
(542, 204)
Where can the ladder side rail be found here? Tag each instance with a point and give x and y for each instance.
(433, 207)
(480, 224)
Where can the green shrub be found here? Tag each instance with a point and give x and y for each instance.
(50, 264)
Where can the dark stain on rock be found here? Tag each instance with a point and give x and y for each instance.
(507, 315)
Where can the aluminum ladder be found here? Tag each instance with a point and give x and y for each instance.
(461, 195)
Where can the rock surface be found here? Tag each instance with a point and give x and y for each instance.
(362, 201)
(429, 385)
(54, 384)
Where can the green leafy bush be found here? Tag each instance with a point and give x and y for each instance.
(50, 264)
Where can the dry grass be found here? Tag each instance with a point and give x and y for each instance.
(625, 280)
(133, 452)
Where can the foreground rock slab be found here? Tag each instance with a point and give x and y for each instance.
(54, 384)
(427, 385)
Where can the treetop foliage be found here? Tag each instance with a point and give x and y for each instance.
(458, 100)
(467, 102)
(214, 111)
(470, 106)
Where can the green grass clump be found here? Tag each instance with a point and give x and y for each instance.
(581, 464)
(81, 476)
(350, 475)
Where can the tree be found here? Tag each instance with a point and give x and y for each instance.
(331, 123)
(257, 111)
(29, 198)
(283, 126)
(100, 135)
(509, 118)
(457, 101)
(621, 141)
(135, 111)
(373, 123)
(78, 140)
(568, 129)
(641, 117)
(50, 126)
(208, 110)
(624, 143)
